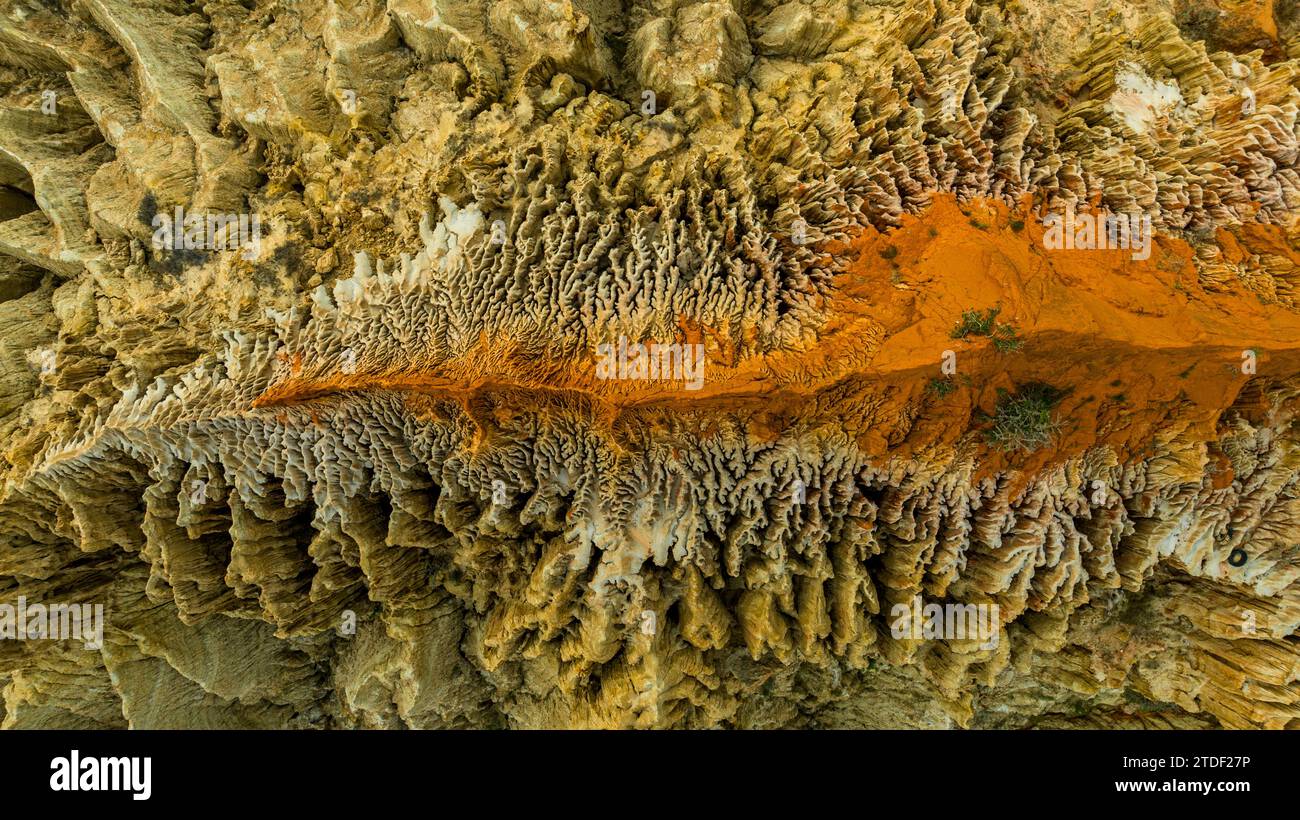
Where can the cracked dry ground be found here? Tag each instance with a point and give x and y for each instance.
(366, 474)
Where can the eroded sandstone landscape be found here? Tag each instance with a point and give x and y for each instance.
(653, 363)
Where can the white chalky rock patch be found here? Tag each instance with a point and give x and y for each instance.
(1139, 100)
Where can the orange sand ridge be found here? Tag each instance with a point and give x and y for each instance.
(1142, 347)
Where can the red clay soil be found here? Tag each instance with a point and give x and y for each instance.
(1142, 348)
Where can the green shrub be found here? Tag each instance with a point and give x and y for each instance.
(941, 387)
(1022, 420)
(1005, 339)
(977, 323)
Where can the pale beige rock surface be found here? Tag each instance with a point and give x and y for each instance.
(364, 475)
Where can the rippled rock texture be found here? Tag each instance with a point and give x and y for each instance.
(318, 335)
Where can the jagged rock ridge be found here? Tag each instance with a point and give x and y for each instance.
(386, 415)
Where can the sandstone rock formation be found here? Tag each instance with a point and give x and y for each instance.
(352, 460)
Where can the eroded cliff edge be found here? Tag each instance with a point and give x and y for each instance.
(366, 471)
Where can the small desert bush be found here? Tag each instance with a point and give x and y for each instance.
(1022, 420)
(985, 323)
